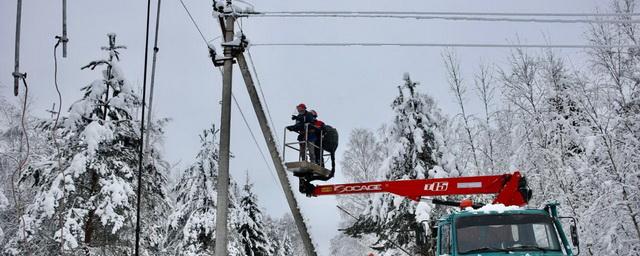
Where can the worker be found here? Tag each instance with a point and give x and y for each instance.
(329, 141)
(316, 131)
(303, 119)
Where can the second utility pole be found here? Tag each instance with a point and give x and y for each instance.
(222, 207)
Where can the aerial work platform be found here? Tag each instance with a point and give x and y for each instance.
(305, 168)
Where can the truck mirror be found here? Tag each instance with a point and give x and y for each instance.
(434, 232)
(573, 232)
(433, 228)
(574, 236)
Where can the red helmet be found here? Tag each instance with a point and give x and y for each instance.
(302, 106)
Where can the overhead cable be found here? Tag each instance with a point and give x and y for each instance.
(62, 219)
(253, 137)
(194, 22)
(255, 72)
(458, 45)
(140, 149)
(521, 14)
(454, 18)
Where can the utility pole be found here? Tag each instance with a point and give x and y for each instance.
(222, 209)
(235, 51)
(64, 29)
(152, 85)
(16, 71)
(275, 156)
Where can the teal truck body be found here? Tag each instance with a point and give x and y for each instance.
(514, 232)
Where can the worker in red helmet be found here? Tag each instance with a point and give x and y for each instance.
(303, 119)
(317, 128)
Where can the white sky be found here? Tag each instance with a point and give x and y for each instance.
(350, 87)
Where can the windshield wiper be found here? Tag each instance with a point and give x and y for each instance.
(528, 247)
(486, 249)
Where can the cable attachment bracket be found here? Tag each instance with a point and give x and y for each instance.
(217, 59)
(237, 45)
(244, 42)
(16, 78)
(61, 39)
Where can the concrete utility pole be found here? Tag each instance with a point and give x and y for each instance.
(222, 209)
(152, 85)
(16, 71)
(275, 156)
(64, 29)
(231, 52)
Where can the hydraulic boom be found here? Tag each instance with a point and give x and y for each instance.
(511, 189)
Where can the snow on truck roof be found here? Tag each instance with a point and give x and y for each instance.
(494, 208)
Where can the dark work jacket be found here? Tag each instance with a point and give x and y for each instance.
(301, 120)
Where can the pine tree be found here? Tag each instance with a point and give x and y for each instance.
(285, 236)
(191, 225)
(251, 228)
(90, 186)
(416, 155)
(284, 248)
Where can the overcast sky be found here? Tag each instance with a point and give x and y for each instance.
(350, 87)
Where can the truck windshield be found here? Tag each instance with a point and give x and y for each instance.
(505, 232)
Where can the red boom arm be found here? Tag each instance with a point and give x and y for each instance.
(511, 189)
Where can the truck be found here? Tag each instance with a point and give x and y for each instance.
(505, 226)
(496, 231)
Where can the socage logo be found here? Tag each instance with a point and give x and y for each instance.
(357, 188)
(437, 186)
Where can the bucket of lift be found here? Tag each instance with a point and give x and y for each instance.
(305, 167)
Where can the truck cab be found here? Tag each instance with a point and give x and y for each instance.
(510, 230)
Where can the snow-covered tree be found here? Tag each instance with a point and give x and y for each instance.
(286, 238)
(19, 146)
(416, 154)
(361, 163)
(281, 240)
(253, 235)
(468, 156)
(85, 195)
(611, 100)
(345, 245)
(191, 225)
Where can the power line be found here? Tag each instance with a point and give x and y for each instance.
(462, 45)
(194, 22)
(253, 67)
(255, 72)
(152, 85)
(253, 137)
(15, 191)
(522, 14)
(454, 18)
(54, 138)
(140, 149)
